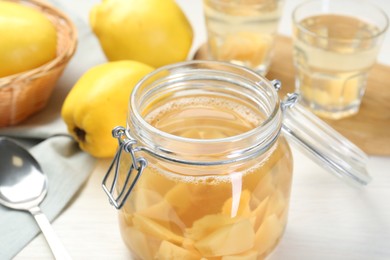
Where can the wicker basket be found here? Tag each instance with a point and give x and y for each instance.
(24, 94)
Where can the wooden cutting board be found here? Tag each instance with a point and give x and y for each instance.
(370, 128)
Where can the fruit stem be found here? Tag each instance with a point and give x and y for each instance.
(80, 133)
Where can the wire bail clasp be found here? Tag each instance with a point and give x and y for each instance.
(290, 100)
(138, 164)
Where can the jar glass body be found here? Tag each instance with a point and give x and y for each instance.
(219, 172)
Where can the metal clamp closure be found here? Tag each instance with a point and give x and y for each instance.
(292, 98)
(138, 164)
(290, 101)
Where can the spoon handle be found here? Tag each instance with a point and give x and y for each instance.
(52, 239)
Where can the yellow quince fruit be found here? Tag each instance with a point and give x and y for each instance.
(155, 32)
(28, 38)
(98, 102)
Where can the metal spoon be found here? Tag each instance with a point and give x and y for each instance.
(23, 186)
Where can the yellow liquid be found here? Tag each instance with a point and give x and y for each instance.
(243, 34)
(190, 212)
(205, 117)
(332, 67)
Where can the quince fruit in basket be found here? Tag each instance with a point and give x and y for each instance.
(155, 32)
(98, 102)
(28, 38)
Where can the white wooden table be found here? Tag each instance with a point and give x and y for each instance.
(328, 219)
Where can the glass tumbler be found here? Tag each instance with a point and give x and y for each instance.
(336, 43)
(242, 32)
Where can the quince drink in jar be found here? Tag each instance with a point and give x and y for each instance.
(335, 45)
(218, 175)
(203, 170)
(242, 32)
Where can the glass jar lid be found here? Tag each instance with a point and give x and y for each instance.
(324, 145)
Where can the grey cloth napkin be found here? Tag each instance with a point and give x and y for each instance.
(66, 166)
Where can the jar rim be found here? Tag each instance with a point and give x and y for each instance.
(267, 131)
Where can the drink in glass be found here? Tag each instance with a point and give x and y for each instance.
(335, 45)
(242, 32)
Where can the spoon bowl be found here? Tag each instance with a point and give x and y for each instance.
(23, 186)
(22, 182)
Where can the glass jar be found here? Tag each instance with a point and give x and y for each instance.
(203, 170)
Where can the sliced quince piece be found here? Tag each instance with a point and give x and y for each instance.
(169, 251)
(126, 218)
(145, 198)
(186, 197)
(277, 204)
(188, 244)
(246, 46)
(138, 243)
(249, 255)
(165, 215)
(268, 234)
(264, 188)
(160, 211)
(156, 230)
(228, 240)
(213, 188)
(179, 197)
(351, 89)
(262, 174)
(258, 213)
(207, 225)
(238, 205)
